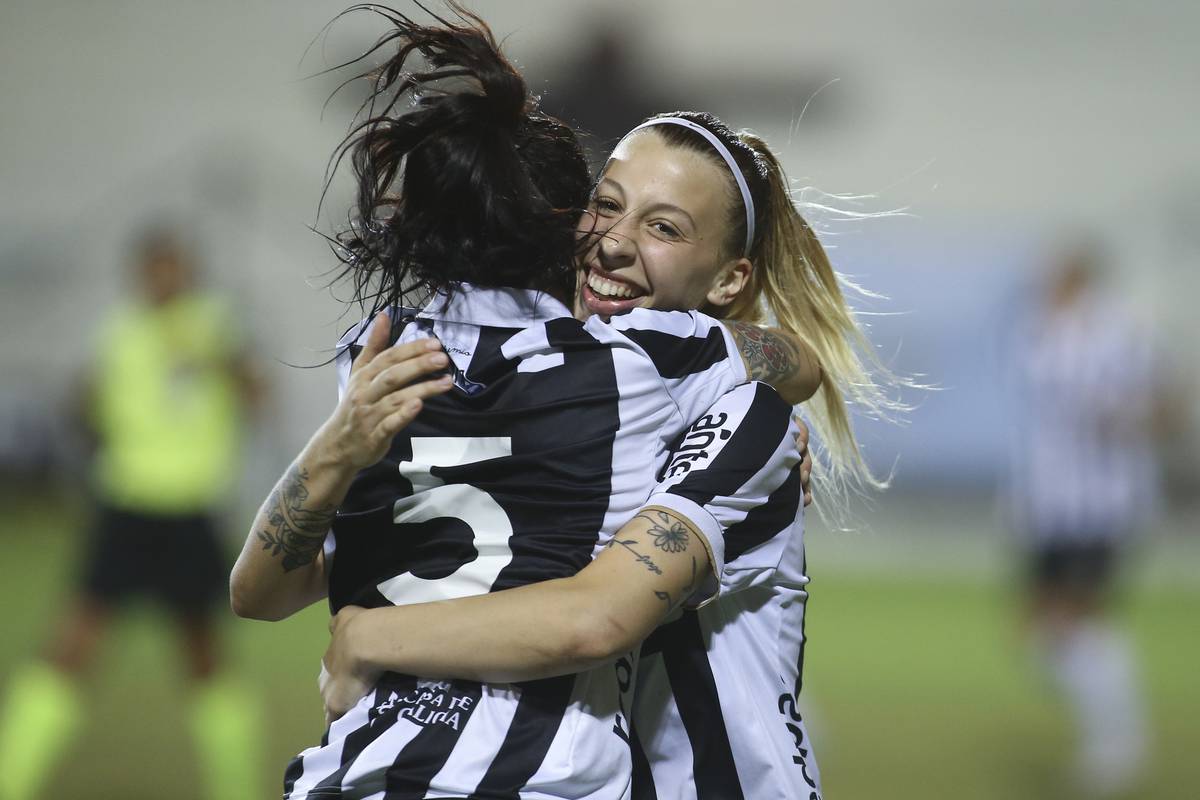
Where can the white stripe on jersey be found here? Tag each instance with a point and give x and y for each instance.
(467, 766)
(666, 739)
(715, 710)
(586, 756)
(319, 762)
(668, 339)
(533, 350)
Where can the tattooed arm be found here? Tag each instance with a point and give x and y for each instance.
(779, 358)
(651, 567)
(661, 536)
(281, 568)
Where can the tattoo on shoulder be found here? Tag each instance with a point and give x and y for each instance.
(293, 530)
(769, 357)
(670, 534)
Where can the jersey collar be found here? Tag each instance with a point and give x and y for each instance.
(503, 308)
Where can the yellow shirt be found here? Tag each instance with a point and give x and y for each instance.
(166, 406)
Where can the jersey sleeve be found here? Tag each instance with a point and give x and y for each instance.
(351, 344)
(734, 475)
(694, 354)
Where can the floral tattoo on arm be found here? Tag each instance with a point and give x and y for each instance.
(671, 535)
(294, 531)
(769, 357)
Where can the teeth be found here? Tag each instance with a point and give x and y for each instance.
(608, 288)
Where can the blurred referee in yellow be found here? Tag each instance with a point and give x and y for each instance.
(167, 389)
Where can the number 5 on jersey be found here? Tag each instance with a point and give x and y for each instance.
(432, 499)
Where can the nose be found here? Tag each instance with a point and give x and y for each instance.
(616, 247)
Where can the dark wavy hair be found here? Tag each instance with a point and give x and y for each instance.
(470, 182)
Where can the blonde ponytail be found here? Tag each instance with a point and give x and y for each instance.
(801, 290)
(793, 282)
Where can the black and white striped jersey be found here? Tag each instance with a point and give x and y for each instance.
(1084, 468)
(715, 711)
(551, 440)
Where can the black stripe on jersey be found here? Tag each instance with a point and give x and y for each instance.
(581, 399)
(643, 779)
(752, 445)
(763, 522)
(426, 753)
(655, 642)
(686, 660)
(295, 769)
(487, 365)
(539, 714)
(359, 740)
(803, 633)
(677, 356)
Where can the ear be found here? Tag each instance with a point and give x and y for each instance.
(730, 281)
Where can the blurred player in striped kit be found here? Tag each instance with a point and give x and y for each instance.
(1084, 481)
(167, 388)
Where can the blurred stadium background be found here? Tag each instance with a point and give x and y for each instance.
(999, 130)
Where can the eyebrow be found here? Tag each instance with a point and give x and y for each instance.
(664, 206)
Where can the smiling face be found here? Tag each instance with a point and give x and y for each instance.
(660, 216)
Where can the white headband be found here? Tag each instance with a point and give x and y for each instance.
(747, 202)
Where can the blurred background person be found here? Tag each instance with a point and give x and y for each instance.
(168, 385)
(1085, 480)
(600, 90)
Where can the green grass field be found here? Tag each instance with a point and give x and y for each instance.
(916, 681)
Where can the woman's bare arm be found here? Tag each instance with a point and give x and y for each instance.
(653, 564)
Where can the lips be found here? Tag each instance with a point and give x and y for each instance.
(607, 295)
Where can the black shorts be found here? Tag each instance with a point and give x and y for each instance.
(1083, 566)
(176, 560)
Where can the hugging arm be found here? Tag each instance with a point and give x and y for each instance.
(732, 460)
(778, 358)
(652, 566)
